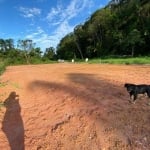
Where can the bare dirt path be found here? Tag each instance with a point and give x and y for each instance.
(73, 107)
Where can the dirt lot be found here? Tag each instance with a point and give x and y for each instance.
(73, 107)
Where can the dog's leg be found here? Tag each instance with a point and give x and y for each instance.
(134, 98)
(148, 94)
(131, 97)
(145, 94)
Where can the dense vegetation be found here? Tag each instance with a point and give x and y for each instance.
(121, 29)
(25, 53)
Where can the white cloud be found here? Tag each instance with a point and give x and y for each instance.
(29, 12)
(63, 29)
(59, 14)
(55, 12)
(42, 39)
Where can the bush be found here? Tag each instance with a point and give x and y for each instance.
(2, 67)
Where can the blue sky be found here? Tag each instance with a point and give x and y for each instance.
(44, 21)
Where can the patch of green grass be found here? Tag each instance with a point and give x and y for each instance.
(2, 67)
(16, 85)
(1, 104)
(127, 61)
(2, 84)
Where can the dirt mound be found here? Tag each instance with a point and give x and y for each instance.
(73, 107)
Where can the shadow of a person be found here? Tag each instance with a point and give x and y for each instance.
(12, 124)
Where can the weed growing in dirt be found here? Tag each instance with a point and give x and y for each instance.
(2, 84)
(1, 105)
(1, 102)
(16, 85)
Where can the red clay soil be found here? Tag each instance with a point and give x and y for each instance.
(73, 107)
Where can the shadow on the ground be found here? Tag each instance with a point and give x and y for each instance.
(85, 86)
(12, 124)
(120, 115)
(93, 84)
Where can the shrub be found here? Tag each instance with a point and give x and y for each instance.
(2, 67)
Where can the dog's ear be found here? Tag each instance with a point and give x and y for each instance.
(125, 85)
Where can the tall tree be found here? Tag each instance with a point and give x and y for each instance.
(77, 38)
(134, 39)
(9, 44)
(26, 46)
(49, 53)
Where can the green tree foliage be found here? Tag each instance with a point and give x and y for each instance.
(35, 52)
(6, 45)
(134, 40)
(24, 53)
(121, 28)
(49, 53)
(26, 45)
(67, 48)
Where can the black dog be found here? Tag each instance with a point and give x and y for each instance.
(134, 90)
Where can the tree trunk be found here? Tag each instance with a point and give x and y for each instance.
(78, 47)
(27, 58)
(132, 52)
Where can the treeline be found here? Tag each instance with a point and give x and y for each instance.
(24, 53)
(122, 28)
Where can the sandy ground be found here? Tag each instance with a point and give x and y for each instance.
(73, 107)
